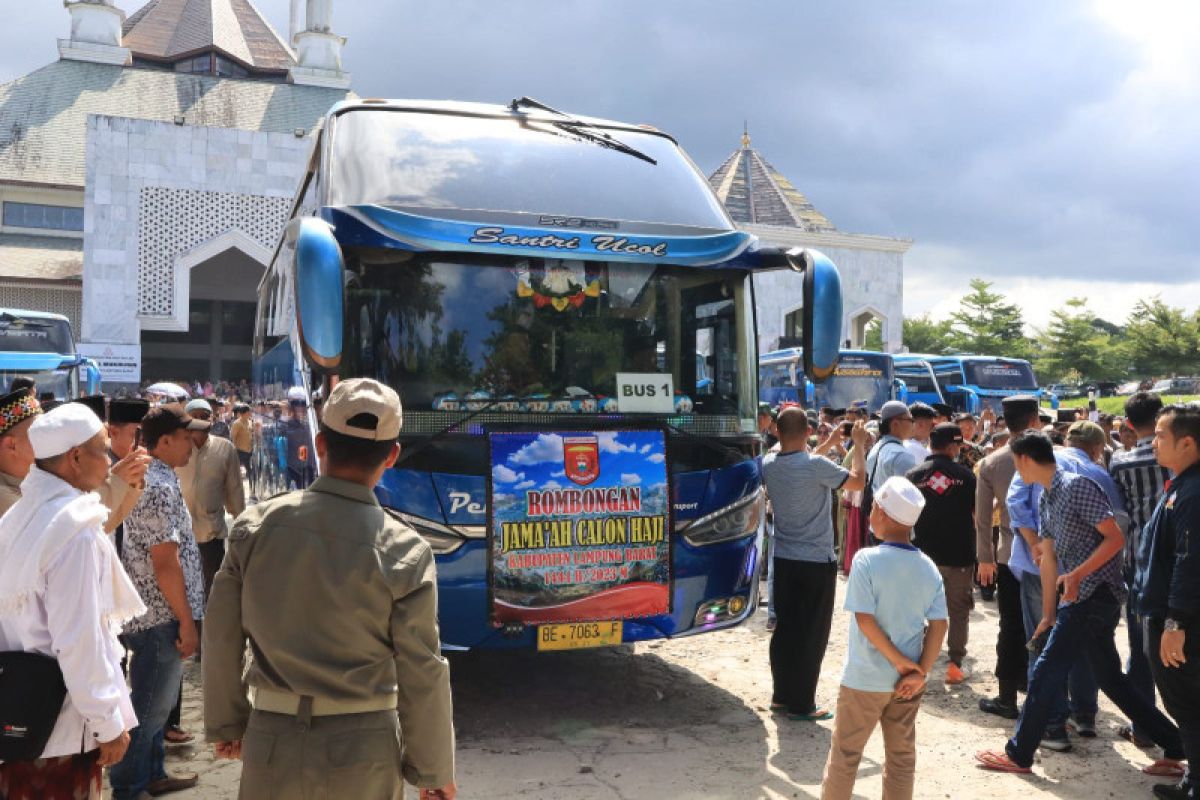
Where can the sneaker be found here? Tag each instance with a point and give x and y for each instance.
(1057, 740)
(988, 593)
(954, 674)
(770, 625)
(1083, 726)
(1172, 791)
(994, 705)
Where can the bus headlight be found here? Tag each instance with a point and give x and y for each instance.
(442, 539)
(732, 522)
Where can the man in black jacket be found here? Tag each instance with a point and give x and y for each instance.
(1167, 584)
(946, 533)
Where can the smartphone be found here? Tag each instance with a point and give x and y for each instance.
(847, 428)
(137, 438)
(1038, 643)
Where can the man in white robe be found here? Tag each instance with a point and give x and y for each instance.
(64, 593)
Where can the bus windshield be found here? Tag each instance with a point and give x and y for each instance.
(457, 331)
(428, 161)
(1000, 375)
(62, 383)
(20, 334)
(858, 377)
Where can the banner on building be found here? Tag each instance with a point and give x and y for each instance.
(119, 363)
(579, 526)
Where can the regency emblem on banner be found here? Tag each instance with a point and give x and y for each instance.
(581, 458)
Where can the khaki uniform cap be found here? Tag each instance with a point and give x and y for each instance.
(359, 397)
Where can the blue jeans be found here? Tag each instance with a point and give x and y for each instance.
(1086, 629)
(154, 674)
(1137, 668)
(1031, 614)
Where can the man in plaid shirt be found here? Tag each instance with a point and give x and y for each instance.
(1077, 526)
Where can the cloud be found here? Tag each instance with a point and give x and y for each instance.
(523, 485)
(558, 474)
(630, 478)
(546, 447)
(657, 458)
(552, 485)
(609, 443)
(645, 449)
(502, 474)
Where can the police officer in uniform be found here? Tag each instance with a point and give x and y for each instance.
(346, 694)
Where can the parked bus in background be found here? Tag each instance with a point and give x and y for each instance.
(862, 377)
(968, 383)
(40, 346)
(567, 313)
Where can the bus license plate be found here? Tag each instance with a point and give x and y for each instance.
(577, 635)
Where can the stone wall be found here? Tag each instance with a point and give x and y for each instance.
(155, 191)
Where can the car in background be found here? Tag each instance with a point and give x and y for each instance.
(1065, 391)
(1175, 386)
(1126, 389)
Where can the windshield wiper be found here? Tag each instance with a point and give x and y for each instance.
(581, 129)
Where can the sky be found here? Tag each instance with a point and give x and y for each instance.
(1048, 147)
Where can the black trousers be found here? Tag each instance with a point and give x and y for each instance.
(1180, 690)
(1012, 659)
(804, 597)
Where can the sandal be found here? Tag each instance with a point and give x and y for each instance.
(998, 761)
(175, 735)
(1126, 733)
(1165, 768)
(816, 715)
(777, 707)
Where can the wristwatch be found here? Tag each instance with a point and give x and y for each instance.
(1172, 625)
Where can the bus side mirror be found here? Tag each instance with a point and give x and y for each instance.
(822, 314)
(319, 296)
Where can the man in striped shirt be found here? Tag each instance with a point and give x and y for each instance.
(1140, 481)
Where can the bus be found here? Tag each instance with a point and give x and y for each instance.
(40, 346)
(968, 383)
(862, 378)
(567, 313)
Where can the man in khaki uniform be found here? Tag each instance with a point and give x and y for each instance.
(17, 411)
(212, 485)
(348, 694)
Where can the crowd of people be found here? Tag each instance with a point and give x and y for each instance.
(1068, 523)
(118, 563)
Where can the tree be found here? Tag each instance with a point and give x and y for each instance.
(985, 324)
(1074, 343)
(874, 336)
(1163, 340)
(923, 335)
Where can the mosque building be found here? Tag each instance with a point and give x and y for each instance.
(764, 202)
(146, 174)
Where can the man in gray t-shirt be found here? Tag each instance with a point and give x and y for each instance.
(799, 485)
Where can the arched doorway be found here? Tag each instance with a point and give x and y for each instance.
(217, 343)
(868, 330)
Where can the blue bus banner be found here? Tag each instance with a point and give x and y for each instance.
(579, 526)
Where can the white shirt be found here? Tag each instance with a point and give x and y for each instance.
(919, 451)
(64, 620)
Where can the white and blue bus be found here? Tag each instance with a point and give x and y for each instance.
(567, 313)
(968, 383)
(40, 346)
(862, 379)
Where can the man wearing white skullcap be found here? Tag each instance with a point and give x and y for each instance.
(896, 595)
(64, 594)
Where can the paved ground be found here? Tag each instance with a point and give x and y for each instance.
(689, 719)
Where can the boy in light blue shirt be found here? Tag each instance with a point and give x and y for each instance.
(899, 604)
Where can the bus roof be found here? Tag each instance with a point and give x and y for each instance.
(466, 109)
(24, 312)
(792, 353)
(954, 357)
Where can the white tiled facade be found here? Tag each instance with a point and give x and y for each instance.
(872, 272)
(156, 191)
